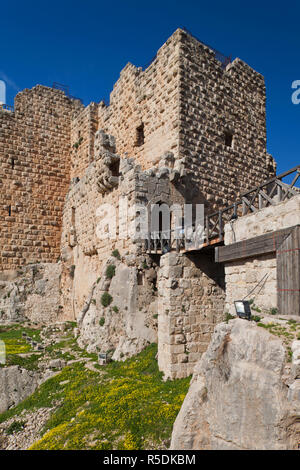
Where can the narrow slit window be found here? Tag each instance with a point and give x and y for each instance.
(140, 136)
(12, 163)
(140, 278)
(228, 138)
(73, 216)
(115, 168)
(9, 211)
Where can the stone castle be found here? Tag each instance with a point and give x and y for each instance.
(189, 129)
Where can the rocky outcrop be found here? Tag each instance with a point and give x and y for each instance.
(15, 385)
(243, 395)
(32, 292)
(120, 313)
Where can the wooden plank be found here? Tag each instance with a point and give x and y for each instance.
(291, 191)
(288, 274)
(249, 204)
(267, 243)
(265, 196)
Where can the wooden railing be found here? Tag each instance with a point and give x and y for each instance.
(211, 232)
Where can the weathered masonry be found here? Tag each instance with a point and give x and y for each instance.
(212, 119)
(190, 128)
(35, 159)
(261, 251)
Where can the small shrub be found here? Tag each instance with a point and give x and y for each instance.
(145, 265)
(98, 280)
(76, 145)
(255, 318)
(256, 309)
(155, 315)
(116, 254)
(106, 299)
(273, 311)
(115, 309)
(93, 301)
(290, 354)
(101, 321)
(72, 271)
(228, 317)
(110, 271)
(16, 426)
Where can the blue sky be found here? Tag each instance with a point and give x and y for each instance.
(85, 44)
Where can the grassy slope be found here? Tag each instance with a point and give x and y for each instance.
(126, 405)
(15, 345)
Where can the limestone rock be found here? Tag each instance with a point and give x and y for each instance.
(127, 325)
(15, 385)
(237, 398)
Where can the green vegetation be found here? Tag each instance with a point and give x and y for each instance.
(287, 332)
(102, 410)
(115, 309)
(16, 426)
(77, 144)
(273, 311)
(110, 271)
(255, 318)
(101, 321)
(15, 344)
(72, 271)
(116, 254)
(228, 317)
(256, 309)
(106, 299)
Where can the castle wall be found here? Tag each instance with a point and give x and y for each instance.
(84, 249)
(34, 175)
(190, 304)
(242, 276)
(83, 128)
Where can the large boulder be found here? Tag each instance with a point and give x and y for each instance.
(127, 324)
(15, 385)
(242, 394)
(32, 292)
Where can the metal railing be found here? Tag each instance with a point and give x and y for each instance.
(65, 89)
(225, 60)
(6, 107)
(211, 231)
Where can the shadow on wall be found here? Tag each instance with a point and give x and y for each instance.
(204, 261)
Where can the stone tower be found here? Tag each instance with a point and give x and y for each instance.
(190, 128)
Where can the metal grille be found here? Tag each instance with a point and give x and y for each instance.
(65, 89)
